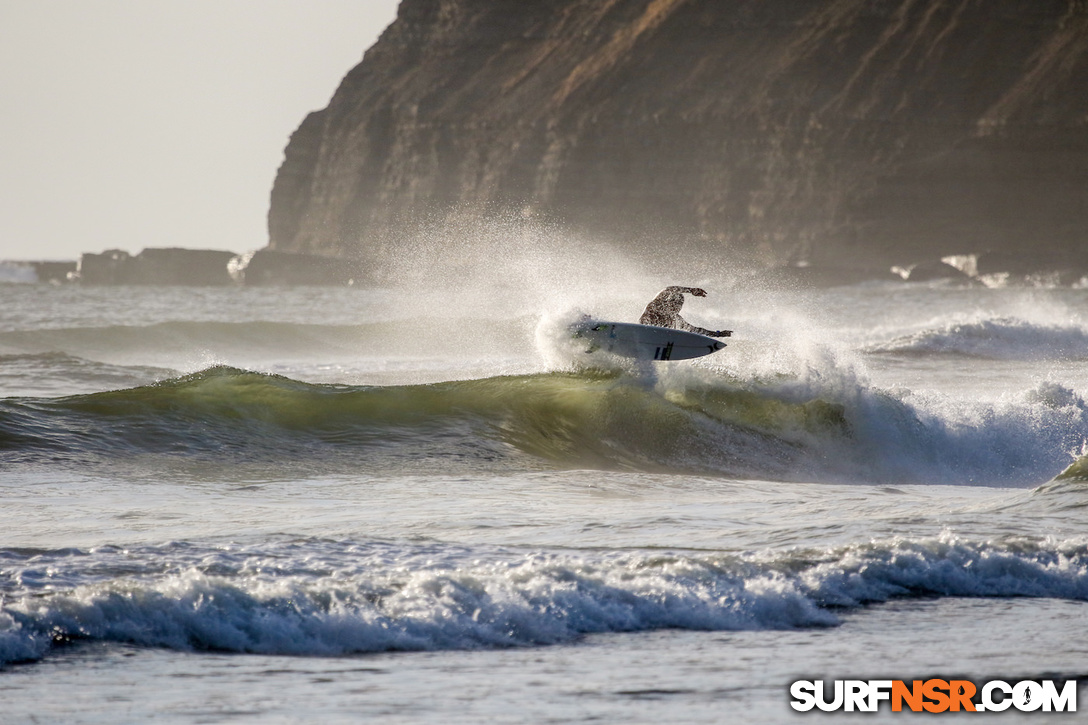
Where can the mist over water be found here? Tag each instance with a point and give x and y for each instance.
(434, 464)
(808, 388)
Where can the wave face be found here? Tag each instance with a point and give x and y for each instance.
(320, 597)
(777, 430)
(1002, 338)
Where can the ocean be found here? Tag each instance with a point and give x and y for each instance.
(429, 503)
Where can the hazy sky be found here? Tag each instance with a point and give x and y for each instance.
(158, 123)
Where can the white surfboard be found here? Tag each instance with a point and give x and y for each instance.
(645, 342)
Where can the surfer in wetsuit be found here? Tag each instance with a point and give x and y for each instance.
(664, 311)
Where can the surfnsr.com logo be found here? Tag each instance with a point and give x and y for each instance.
(935, 695)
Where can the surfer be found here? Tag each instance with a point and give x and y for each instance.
(664, 311)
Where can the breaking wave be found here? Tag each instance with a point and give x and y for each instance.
(319, 597)
(782, 429)
(1003, 338)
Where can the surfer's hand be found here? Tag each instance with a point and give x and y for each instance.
(698, 292)
(723, 333)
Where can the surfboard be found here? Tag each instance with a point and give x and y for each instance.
(645, 342)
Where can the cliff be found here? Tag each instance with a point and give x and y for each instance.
(845, 132)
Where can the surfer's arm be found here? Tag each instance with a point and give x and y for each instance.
(695, 291)
(682, 324)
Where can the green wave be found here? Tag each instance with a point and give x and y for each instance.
(590, 418)
(698, 422)
(1077, 471)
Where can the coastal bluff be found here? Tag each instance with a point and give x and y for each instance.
(860, 133)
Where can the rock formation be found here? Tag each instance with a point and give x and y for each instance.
(155, 266)
(266, 267)
(822, 132)
(193, 267)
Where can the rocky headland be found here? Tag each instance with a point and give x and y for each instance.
(208, 267)
(833, 136)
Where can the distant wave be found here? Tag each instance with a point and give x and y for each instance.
(1000, 339)
(53, 373)
(315, 597)
(777, 430)
(179, 336)
(182, 340)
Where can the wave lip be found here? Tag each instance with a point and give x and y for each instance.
(1003, 338)
(382, 597)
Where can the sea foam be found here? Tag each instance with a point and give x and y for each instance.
(330, 598)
